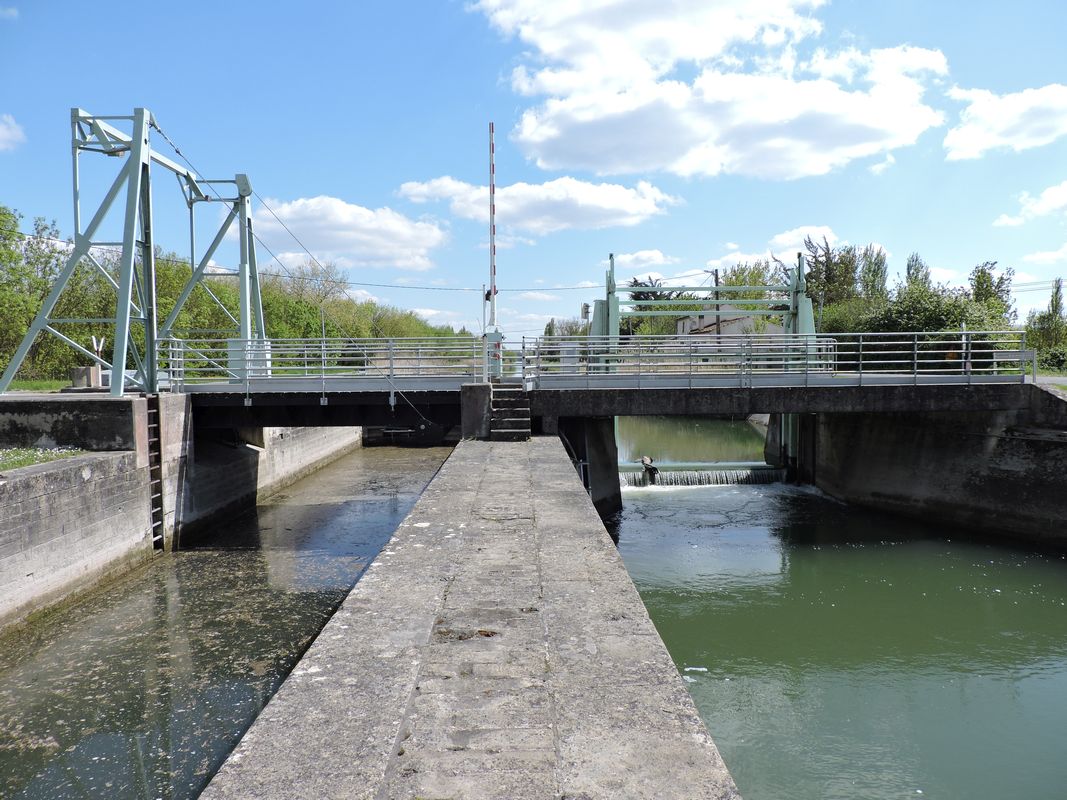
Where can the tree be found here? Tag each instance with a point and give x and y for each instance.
(873, 274)
(993, 291)
(916, 271)
(9, 237)
(317, 281)
(1047, 330)
(832, 272)
(653, 326)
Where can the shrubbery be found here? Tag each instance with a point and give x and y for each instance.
(293, 307)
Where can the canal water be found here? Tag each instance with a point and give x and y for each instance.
(840, 653)
(143, 688)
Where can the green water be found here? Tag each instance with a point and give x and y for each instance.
(839, 653)
(143, 688)
(687, 439)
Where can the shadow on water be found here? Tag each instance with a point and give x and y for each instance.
(143, 688)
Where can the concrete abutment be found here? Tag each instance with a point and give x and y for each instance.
(68, 525)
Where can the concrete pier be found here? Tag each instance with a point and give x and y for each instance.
(497, 648)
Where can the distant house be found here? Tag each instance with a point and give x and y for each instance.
(727, 320)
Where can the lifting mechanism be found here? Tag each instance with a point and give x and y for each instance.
(134, 276)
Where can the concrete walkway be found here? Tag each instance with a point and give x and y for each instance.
(496, 648)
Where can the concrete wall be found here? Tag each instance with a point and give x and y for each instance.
(89, 422)
(67, 524)
(996, 472)
(591, 441)
(208, 476)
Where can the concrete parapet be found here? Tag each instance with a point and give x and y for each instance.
(497, 648)
(89, 422)
(995, 472)
(475, 409)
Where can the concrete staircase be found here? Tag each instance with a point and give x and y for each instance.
(510, 417)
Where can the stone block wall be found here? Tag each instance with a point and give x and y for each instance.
(66, 524)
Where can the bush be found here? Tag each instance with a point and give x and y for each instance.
(1053, 359)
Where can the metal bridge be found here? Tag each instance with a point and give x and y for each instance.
(245, 361)
(277, 366)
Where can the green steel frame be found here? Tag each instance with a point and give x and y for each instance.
(134, 279)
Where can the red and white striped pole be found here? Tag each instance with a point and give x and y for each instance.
(492, 230)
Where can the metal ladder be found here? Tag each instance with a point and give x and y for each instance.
(155, 470)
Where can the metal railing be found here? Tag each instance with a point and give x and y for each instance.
(295, 365)
(744, 360)
(849, 359)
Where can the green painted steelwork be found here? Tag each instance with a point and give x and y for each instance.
(134, 279)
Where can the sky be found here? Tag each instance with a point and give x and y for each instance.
(680, 135)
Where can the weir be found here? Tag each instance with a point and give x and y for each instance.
(496, 648)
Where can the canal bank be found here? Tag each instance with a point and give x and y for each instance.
(496, 648)
(152, 481)
(142, 687)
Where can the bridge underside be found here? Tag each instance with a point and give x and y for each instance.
(551, 404)
(443, 408)
(296, 409)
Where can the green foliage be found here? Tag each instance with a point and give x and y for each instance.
(15, 457)
(916, 271)
(660, 325)
(567, 327)
(1047, 330)
(919, 305)
(315, 297)
(1053, 359)
(992, 290)
(873, 274)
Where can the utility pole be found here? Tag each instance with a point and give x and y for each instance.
(494, 338)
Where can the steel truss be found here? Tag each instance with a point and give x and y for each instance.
(134, 280)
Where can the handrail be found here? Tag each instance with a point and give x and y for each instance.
(692, 361)
(779, 359)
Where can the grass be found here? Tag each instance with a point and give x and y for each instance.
(47, 385)
(15, 457)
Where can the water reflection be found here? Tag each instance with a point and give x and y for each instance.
(852, 654)
(687, 439)
(142, 689)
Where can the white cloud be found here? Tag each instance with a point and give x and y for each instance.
(351, 235)
(1048, 256)
(11, 133)
(1051, 200)
(883, 165)
(9, 13)
(438, 316)
(700, 88)
(642, 259)
(1016, 121)
(784, 245)
(560, 204)
(539, 296)
(949, 276)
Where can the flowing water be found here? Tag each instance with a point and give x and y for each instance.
(143, 688)
(840, 653)
(687, 439)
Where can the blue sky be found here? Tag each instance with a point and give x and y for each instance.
(679, 134)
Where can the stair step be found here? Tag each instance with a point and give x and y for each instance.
(509, 436)
(510, 413)
(510, 424)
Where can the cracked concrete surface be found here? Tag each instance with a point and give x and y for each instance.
(497, 648)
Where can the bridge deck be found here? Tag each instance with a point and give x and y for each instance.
(496, 648)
